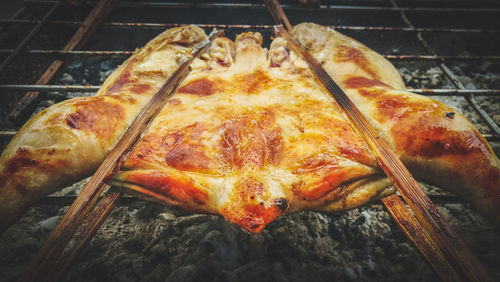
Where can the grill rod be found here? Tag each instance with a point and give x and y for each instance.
(458, 85)
(14, 17)
(88, 27)
(252, 26)
(29, 37)
(287, 6)
(128, 53)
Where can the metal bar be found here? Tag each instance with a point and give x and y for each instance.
(472, 100)
(470, 96)
(25, 105)
(59, 88)
(7, 133)
(13, 17)
(128, 53)
(410, 29)
(71, 52)
(228, 26)
(94, 88)
(28, 37)
(440, 58)
(135, 24)
(455, 92)
(286, 6)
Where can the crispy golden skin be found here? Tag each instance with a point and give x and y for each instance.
(249, 134)
(67, 141)
(435, 142)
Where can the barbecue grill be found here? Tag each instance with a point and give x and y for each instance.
(446, 49)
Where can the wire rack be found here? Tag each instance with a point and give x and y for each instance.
(422, 33)
(389, 19)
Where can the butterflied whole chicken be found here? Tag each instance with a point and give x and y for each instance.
(249, 134)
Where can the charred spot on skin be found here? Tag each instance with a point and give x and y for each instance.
(21, 160)
(372, 93)
(26, 159)
(363, 82)
(180, 189)
(347, 54)
(255, 82)
(200, 87)
(281, 204)
(185, 149)
(140, 88)
(122, 80)
(97, 116)
(72, 121)
(450, 115)
(175, 102)
(441, 141)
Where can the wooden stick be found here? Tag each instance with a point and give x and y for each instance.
(427, 214)
(420, 238)
(438, 242)
(278, 14)
(84, 233)
(86, 29)
(60, 236)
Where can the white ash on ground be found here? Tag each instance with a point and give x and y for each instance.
(147, 242)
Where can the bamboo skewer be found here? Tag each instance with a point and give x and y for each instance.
(436, 240)
(422, 207)
(420, 238)
(86, 29)
(47, 257)
(84, 233)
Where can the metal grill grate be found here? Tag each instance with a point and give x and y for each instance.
(416, 35)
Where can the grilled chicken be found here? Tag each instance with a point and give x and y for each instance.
(249, 134)
(67, 141)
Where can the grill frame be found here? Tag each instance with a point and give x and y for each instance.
(442, 60)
